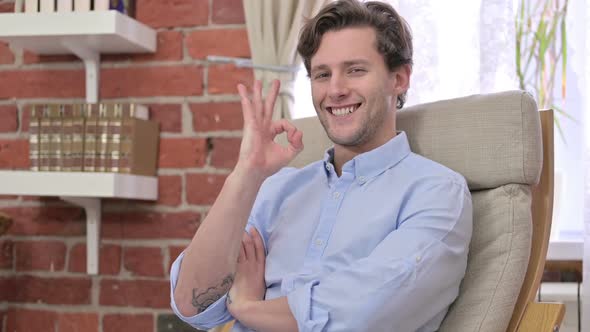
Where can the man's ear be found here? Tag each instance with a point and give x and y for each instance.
(401, 83)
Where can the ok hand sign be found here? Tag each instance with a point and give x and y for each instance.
(258, 152)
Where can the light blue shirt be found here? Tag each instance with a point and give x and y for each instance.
(383, 247)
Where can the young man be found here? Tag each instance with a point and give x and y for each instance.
(371, 238)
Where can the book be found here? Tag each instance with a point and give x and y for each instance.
(44, 135)
(34, 146)
(65, 5)
(138, 151)
(78, 124)
(101, 4)
(31, 6)
(67, 138)
(81, 5)
(47, 6)
(90, 137)
(55, 128)
(105, 111)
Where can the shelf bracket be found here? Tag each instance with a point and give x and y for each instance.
(92, 207)
(91, 60)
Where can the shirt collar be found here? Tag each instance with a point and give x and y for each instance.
(374, 162)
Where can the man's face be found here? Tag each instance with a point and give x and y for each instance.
(353, 92)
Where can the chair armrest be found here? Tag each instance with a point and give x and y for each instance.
(542, 317)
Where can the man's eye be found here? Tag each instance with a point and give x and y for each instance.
(356, 70)
(320, 76)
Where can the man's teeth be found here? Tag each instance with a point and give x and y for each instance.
(343, 111)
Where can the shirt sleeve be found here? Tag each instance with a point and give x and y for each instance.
(215, 314)
(408, 280)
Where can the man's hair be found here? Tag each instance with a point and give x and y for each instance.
(394, 38)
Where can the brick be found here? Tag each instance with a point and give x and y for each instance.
(202, 189)
(225, 78)
(32, 289)
(155, 81)
(168, 48)
(150, 225)
(182, 152)
(135, 293)
(40, 255)
(44, 83)
(225, 152)
(144, 261)
(8, 118)
(14, 154)
(173, 13)
(109, 260)
(169, 116)
(217, 116)
(169, 190)
(6, 7)
(7, 289)
(6, 55)
(77, 322)
(227, 12)
(26, 118)
(173, 253)
(226, 42)
(6, 255)
(46, 220)
(171, 323)
(127, 323)
(30, 320)
(33, 58)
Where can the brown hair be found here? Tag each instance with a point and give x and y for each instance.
(394, 38)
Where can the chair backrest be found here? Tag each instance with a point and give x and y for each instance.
(542, 210)
(495, 142)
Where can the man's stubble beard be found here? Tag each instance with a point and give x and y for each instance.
(365, 131)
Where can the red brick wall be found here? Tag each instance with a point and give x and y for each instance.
(43, 284)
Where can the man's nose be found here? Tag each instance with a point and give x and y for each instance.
(338, 88)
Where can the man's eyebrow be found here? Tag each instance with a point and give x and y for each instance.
(344, 64)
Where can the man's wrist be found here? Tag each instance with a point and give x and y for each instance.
(248, 174)
(239, 309)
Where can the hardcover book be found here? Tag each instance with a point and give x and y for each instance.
(34, 136)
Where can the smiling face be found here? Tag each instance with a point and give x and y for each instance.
(353, 92)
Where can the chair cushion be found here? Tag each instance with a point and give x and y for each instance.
(498, 258)
(491, 139)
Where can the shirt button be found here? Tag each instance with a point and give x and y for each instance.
(336, 195)
(329, 167)
(418, 259)
(362, 179)
(319, 242)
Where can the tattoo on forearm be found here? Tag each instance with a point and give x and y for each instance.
(203, 299)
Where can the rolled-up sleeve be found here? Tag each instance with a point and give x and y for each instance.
(216, 314)
(407, 281)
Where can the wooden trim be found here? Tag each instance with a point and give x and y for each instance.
(542, 212)
(542, 317)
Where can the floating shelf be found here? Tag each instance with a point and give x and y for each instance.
(85, 34)
(83, 189)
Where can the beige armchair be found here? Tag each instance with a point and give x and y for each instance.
(497, 142)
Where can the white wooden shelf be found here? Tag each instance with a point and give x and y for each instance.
(83, 189)
(562, 250)
(85, 34)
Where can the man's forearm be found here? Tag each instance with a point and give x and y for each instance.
(267, 316)
(198, 287)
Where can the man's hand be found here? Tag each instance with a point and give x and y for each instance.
(258, 151)
(249, 284)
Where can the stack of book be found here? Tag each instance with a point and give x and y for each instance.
(49, 6)
(105, 137)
